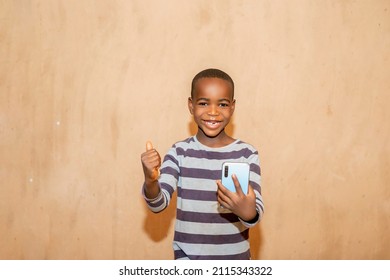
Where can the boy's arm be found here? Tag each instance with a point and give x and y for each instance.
(255, 182)
(151, 162)
(152, 189)
(159, 186)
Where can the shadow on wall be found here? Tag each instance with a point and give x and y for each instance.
(256, 241)
(158, 225)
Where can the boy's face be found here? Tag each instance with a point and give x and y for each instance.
(212, 105)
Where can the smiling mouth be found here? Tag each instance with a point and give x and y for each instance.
(212, 123)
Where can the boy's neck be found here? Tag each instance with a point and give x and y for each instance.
(221, 140)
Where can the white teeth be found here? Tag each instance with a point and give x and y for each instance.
(212, 123)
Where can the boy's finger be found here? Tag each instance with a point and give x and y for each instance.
(221, 187)
(237, 184)
(149, 146)
(222, 196)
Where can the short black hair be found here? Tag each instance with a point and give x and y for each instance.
(211, 73)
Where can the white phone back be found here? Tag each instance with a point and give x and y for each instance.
(241, 170)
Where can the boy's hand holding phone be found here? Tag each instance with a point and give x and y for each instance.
(244, 206)
(151, 162)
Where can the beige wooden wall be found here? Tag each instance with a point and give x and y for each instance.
(83, 85)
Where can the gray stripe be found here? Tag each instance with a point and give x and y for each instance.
(245, 152)
(169, 170)
(171, 158)
(180, 255)
(206, 217)
(200, 173)
(197, 195)
(211, 239)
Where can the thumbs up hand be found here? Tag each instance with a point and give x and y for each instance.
(151, 162)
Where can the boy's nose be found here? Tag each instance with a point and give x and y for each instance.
(213, 110)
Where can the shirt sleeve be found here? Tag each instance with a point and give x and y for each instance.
(255, 182)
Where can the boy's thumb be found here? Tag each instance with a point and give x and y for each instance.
(149, 146)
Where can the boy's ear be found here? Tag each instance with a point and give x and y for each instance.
(190, 105)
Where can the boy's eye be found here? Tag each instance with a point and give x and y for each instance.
(202, 104)
(224, 105)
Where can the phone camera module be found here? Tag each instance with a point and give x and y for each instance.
(226, 171)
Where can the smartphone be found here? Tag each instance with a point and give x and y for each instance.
(241, 170)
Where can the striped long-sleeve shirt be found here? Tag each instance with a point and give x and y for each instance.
(203, 229)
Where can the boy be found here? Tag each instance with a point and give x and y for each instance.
(211, 221)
